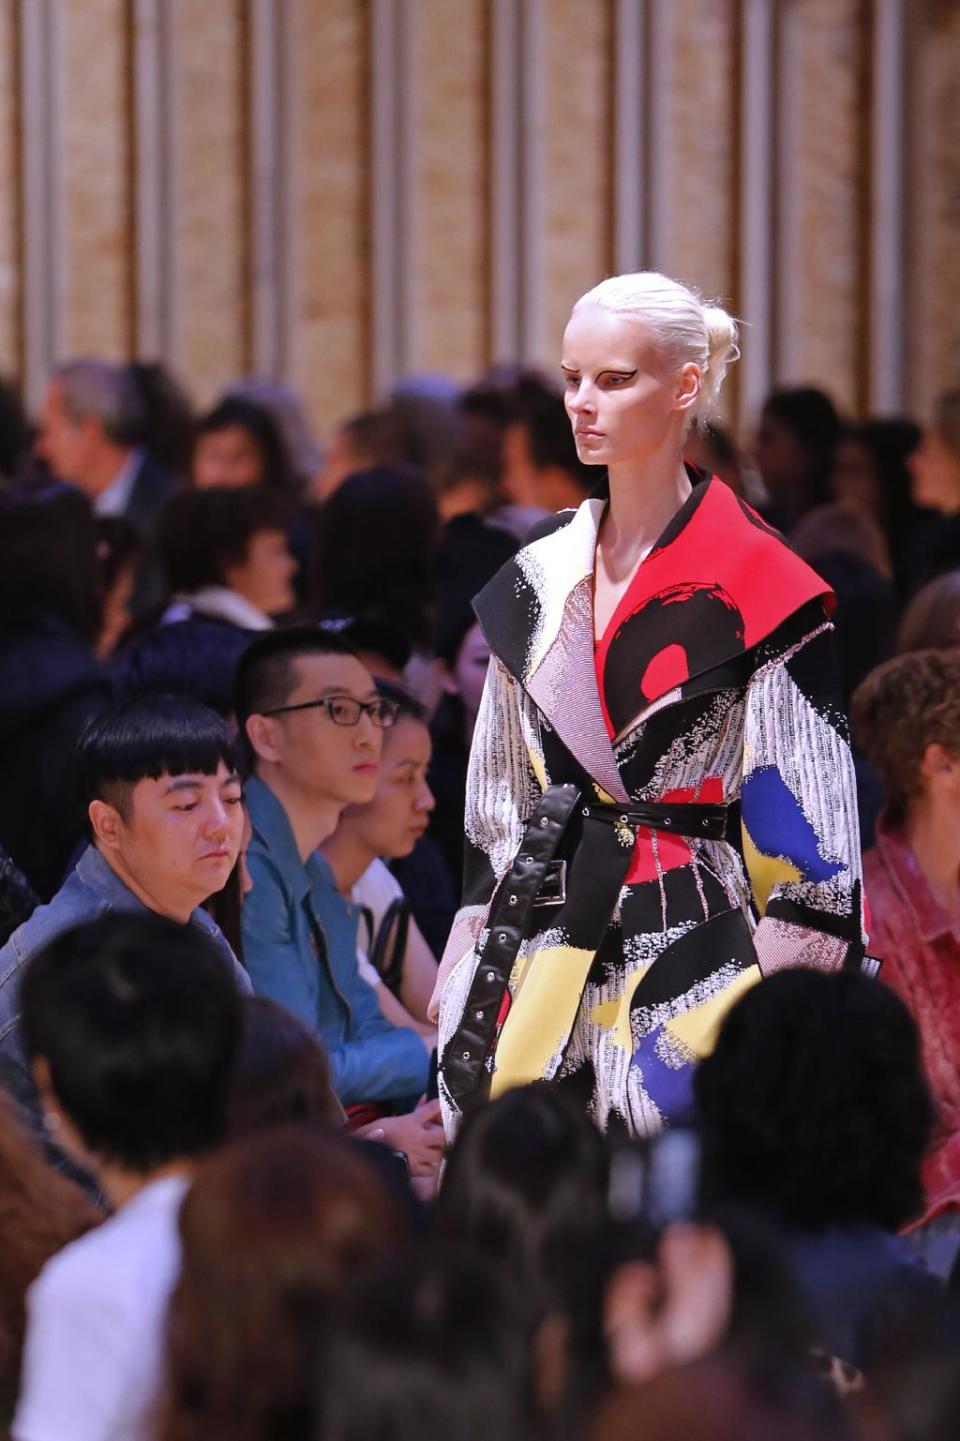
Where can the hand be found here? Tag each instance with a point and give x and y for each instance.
(419, 1135)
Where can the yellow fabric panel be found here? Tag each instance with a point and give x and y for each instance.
(697, 1029)
(542, 1014)
(765, 871)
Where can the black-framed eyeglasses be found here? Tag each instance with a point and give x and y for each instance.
(343, 710)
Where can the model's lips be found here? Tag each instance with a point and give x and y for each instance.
(585, 432)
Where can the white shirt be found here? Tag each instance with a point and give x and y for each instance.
(115, 498)
(96, 1325)
(217, 602)
(376, 889)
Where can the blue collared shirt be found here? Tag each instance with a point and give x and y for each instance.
(93, 889)
(300, 948)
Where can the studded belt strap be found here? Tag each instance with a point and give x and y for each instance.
(692, 819)
(466, 1052)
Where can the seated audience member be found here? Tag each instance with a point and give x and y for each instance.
(18, 900)
(525, 1189)
(935, 472)
(798, 433)
(932, 619)
(542, 472)
(871, 468)
(131, 1025)
(238, 444)
(168, 420)
(313, 723)
(51, 682)
(229, 571)
(272, 1229)
(91, 435)
(280, 1073)
(906, 716)
(394, 958)
(162, 798)
(14, 430)
(814, 1112)
(286, 408)
(119, 551)
(362, 442)
(435, 1346)
(713, 450)
(40, 1212)
(376, 549)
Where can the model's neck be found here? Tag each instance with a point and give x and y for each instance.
(644, 498)
(312, 818)
(120, 1186)
(934, 836)
(347, 855)
(174, 908)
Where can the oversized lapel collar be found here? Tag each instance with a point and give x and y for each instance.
(537, 616)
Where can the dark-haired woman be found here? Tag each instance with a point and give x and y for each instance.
(50, 681)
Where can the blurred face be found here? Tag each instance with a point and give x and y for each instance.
(622, 405)
(470, 670)
(68, 446)
(265, 576)
(781, 459)
(935, 473)
(397, 816)
(338, 764)
(519, 474)
(230, 456)
(179, 839)
(854, 477)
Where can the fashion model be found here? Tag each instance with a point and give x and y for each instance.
(660, 802)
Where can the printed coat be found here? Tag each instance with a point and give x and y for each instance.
(717, 684)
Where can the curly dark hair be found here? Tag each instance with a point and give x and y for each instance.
(903, 706)
(813, 1104)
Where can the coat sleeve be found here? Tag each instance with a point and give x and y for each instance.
(799, 810)
(502, 792)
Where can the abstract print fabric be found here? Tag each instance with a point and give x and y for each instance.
(715, 682)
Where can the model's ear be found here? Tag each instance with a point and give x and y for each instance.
(263, 733)
(688, 387)
(106, 823)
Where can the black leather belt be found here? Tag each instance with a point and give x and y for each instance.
(690, 819)
(536, 879)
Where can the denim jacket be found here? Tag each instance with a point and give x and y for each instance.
(300, 947)
(92, 889)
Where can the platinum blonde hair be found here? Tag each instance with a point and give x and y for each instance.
(682, 325)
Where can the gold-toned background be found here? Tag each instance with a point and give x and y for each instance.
(79, 254)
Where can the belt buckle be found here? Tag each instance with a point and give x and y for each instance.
(553, 890)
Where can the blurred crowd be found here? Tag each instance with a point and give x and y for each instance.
(239, 676)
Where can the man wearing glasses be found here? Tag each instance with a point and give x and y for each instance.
(312, 724)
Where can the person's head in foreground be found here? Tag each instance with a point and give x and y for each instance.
(643, 357)
(157, 780)
(130, 1025)
(281, 1072)
(435, 1346)
(813, 1105)
(273, 1228)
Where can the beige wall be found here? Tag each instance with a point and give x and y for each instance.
(338, 190)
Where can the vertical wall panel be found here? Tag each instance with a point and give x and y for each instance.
(9, 196)
(154, 188)
(95, 172)
(822, 271)
(934, 186)
(575, 129)
(211, 280)
(447, 204)
(331, 356)
(43, 280)
(754, 293)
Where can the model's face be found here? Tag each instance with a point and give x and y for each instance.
(622, 404)
(264, 577)
(470, 670)
(935, 473)
(230, 456)
(397, 816)
(180, 837)
(337, 764)
(66, 445)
